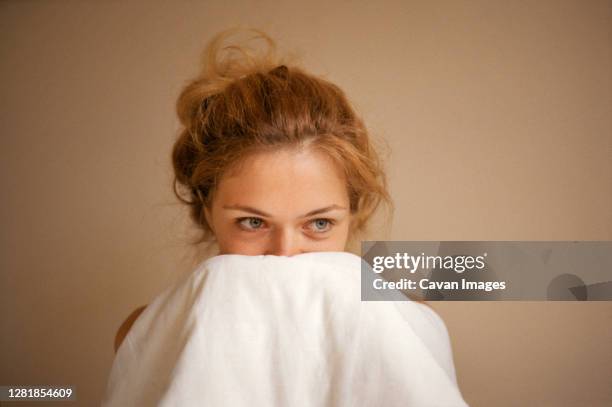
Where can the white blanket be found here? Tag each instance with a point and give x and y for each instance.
(282, 331)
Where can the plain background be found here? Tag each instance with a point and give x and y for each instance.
(498, 115)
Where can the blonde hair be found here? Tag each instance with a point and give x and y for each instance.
(238, 105)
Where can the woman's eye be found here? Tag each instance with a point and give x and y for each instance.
(321, 225)
(250, 223)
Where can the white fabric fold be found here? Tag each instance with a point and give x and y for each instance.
(282, 331)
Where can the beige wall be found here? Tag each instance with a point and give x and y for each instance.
(498, 118)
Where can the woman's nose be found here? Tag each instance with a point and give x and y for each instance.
(284, 243)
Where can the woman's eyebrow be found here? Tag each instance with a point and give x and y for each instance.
(262, 213)
(247, 209)
(322, 210)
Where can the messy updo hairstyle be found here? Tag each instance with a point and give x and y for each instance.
(242, 102)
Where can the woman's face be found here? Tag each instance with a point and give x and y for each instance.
(281, 203)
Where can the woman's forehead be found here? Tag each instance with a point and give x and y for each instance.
(288, 177)
(286, 166)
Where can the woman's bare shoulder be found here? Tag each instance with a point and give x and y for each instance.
(126, 325)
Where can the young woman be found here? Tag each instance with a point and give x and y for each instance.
(271, 159)
(280, 173)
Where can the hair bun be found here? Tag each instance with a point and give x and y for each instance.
(281, 71)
